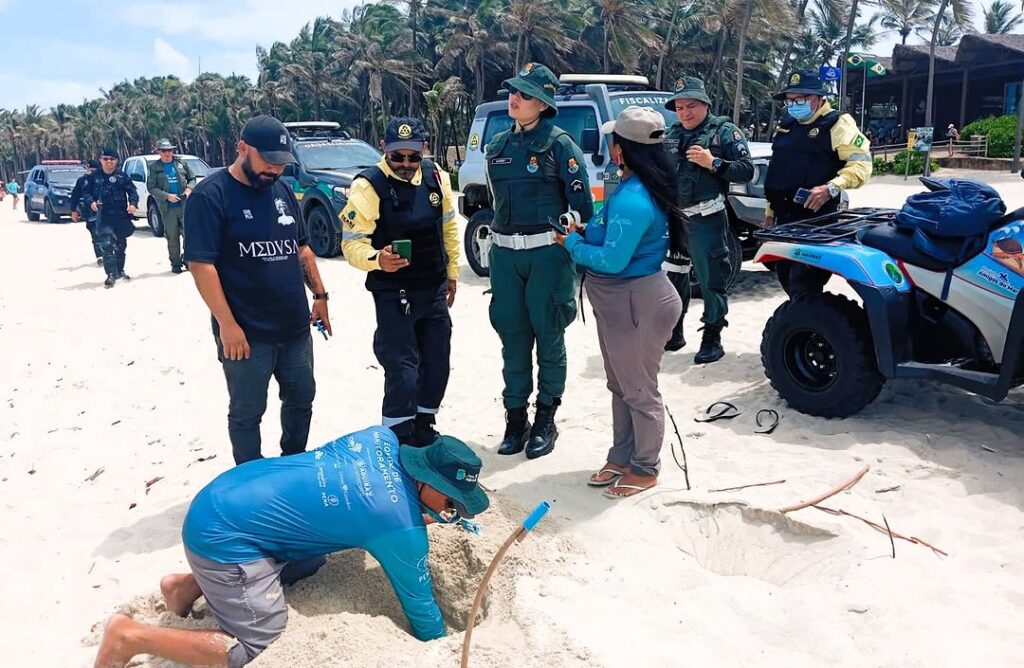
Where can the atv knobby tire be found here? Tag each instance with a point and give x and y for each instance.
(818, 354)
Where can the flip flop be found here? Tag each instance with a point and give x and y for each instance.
(630, 490)
(604, 483)
(723, 414)
(770, 428)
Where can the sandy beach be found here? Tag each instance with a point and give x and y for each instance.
(113, 416)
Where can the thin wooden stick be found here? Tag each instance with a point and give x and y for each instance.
(846, 485)
(878, 527)
(756, 484)
(891, 541)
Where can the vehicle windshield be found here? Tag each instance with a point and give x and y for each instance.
(340, 155)
(197, 165)
(655, 100)
(66, 176)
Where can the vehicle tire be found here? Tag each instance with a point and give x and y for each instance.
(732, 240)
(818, 354)
(475, 240)
(51, 215)
(32, 216)
(324, 233)
(153, 219)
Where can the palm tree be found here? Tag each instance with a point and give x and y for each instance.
(774, 16)
(538, 37)
(963, 13)
(905, 16)
(622, 28)
(1000, 19)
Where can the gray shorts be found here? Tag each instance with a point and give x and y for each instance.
(247, 600)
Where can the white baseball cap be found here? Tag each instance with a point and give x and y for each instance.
(640, 124)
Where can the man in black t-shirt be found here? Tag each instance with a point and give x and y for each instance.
(247, 249)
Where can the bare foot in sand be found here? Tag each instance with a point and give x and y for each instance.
(180, 592)
(115, 650)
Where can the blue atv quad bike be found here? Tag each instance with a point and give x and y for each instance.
(952, 313)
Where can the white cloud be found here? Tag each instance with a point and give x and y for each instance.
(19, 90)
(171, 60)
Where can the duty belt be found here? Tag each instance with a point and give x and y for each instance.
(707, 207)
(523, 241)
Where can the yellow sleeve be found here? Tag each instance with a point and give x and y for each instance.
(358, 223)
(449, 225)
(854, 149)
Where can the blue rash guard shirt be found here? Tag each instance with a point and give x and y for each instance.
(628, 239)
(351, 492)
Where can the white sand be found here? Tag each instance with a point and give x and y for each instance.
(127, 380)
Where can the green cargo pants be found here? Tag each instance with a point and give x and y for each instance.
(710, 256)
(172, 217)
(532, 302)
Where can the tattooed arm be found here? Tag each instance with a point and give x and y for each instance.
(311, 275)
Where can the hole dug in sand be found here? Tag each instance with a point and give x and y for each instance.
(732, 538)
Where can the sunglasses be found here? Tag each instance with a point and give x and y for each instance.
(108, 159)
(411, 159)
(516, 91)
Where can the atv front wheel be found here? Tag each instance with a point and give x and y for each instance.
(817, 353)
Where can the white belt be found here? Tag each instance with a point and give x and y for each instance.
(706, 208)
(523, 241)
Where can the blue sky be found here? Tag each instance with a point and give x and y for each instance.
(66, 50)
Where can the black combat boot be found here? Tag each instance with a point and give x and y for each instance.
(677, 341)
(405, 432)
(424, 433)
(544, 432)
(710, 345)
(517, 432)
(109, 283)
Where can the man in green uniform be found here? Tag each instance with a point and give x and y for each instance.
(536, 173)
(711, 154)
(170, 181)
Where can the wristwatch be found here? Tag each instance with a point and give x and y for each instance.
(716, 165)
(833, 190)
(321, 295)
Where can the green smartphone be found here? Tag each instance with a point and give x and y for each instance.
(402, 248)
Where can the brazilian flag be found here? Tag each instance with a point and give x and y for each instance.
(874, 68)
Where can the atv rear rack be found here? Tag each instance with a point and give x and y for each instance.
(811, 231)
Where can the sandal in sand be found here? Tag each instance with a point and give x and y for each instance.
(630, 485)
(614, 474)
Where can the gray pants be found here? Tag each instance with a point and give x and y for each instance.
(246, 599)
(635, 317)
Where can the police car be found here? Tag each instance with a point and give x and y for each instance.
(585, 102)
(328, 161)
(48, 189)
(137, 169)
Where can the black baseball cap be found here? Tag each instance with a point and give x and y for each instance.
(268, 136)
(108, 152)
(405, 134)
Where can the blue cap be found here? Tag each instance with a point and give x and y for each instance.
(405, 134)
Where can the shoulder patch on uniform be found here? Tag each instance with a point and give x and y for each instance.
(352, 214)
(859, 141)
(737, 135)
(814, 132)
(572, 165)
(576, 186)
(435, 199)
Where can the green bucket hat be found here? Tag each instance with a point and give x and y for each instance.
(538, 81)
(452, 468)
(688, 88)
(165, 144)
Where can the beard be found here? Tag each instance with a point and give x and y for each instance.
(258, 180)
(403, 172)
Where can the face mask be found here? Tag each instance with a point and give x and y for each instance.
(801, 111)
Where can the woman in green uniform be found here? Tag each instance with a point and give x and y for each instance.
(536, 173)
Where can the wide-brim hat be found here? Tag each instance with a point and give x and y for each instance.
(537, 81)
(452, 468)
(688, 88)
(165, 145)
(806, 83)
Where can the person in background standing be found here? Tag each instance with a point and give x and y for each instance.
(13, 189)
(953, 135)
(84, 184)
(170, 182)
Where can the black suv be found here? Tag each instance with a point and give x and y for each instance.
(48, 189)
(328, 160)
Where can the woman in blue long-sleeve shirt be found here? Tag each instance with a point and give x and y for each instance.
(635, 305)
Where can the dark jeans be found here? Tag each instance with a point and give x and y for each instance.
(414, 350)
(800, 280)
(291, 363)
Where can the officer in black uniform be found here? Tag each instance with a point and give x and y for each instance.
(113, 198)
(405, 201)
(79, 210)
